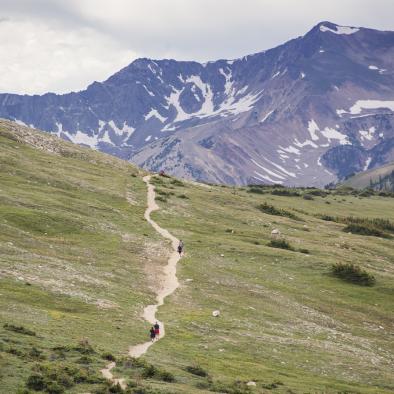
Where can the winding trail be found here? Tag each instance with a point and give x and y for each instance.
(168, 286)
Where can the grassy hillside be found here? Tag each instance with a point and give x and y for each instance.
(78, 261)
(372, 177)
(284, 318)
(75, 253)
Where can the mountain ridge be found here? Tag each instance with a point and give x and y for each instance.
(266, 108)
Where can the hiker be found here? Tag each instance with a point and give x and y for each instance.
(152, 334)
(180, 247)
(157, 329)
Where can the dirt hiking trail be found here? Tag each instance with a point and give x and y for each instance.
(167, 286)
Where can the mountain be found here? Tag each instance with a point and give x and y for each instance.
(308, 112)
(78, 263)
(380, 178)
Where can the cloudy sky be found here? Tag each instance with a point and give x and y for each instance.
(64, 45)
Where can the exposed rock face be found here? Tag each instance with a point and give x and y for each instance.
(308, 112)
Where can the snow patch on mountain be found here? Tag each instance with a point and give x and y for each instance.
(263, 178)
(126, 131)
(367, 163)
(268, 171)
(340, 29)
(371, 104)
(367, 134)
(305, 143)
(155, 113)
(105, 138)
(83, 139)
(332, 134)
(291, 149)
(313, 128)
(266, 116)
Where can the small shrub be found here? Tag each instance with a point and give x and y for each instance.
(160, 198)
(84, 347)
(149, 371)
(280, 243)
(166, 376)
(54, 388)
(364, 230)
(302, 250)
(14, 351)
(19, 329)
(256, 190)
(327, 218)
(285, 192)
(84, 360)
(352, 273)
(36, 354)
(177, 182)
(196, 370)
(35, 382)
(318, 192)
(116, 389)
(271, 210)
(307, 197)
(184, 196)
(272, 385)
(108, 356)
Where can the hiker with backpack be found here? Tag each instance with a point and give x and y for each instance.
(180, 247)
(152, 334)
(157, 329)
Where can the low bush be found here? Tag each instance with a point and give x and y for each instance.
(151, 372)
(271, 210)
(364, 230)
(19, 329)
(307, 197)
(166, 376)
(36, 382)
(184, 196)
(84, 347)
(272, 385)
(108, 356)
(256, 190)
(318, 192)
(302, 250)
(280, 243)
(177, 182)
(234, 388)
(196, 370)
(36, 354)
(286, 192)
(353, 273)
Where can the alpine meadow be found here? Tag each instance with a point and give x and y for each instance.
(196, 197)
(79, 263)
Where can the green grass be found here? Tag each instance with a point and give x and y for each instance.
(73, 254)
(78, 260)
(284, 317)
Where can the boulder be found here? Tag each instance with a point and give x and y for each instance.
(216, 313)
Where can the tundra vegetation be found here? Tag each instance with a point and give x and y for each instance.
(78, 263)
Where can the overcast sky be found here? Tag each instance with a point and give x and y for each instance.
(64, 45)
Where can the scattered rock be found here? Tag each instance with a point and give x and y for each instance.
(251, 383)
(222, 255)
(275, 233)
(216, 313)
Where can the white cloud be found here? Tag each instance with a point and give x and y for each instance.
(63, 45)
(38, 58)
